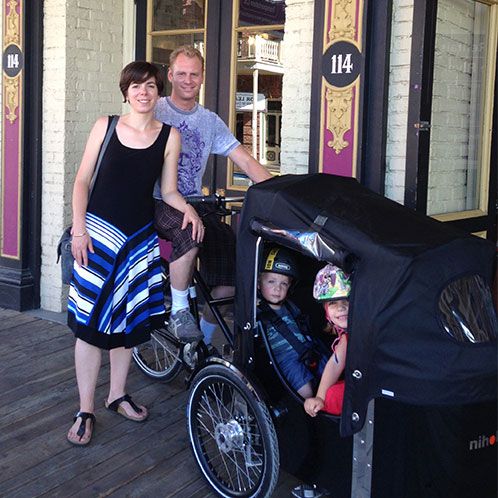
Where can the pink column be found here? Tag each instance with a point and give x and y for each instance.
(12, 88)
(341, 73)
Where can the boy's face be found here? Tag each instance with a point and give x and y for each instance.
(337, 312)
(274, 287)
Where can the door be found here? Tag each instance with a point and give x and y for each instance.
(452, 122)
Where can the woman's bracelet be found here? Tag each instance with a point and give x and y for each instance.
(79, 234)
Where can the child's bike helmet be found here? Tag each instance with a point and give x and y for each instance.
(331, 284)
(278, 259)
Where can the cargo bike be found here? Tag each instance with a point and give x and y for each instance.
(419, 417)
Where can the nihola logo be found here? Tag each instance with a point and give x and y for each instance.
(482, 442)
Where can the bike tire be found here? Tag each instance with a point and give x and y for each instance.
(232, 435)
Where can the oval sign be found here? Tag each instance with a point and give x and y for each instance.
(13, 61)
(341, 64)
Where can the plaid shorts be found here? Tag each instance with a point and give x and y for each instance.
(217, 250)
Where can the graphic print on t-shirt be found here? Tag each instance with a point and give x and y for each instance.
(190, 161)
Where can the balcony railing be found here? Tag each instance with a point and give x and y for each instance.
(259, 49)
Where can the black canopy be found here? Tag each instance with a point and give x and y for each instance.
(409, 274)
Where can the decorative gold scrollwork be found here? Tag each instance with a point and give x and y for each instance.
(339, 108)
(12, 34)
(343, 20)
(11, 86)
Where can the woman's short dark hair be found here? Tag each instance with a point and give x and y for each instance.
(138, 72)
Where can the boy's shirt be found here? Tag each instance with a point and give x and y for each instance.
(277, 341)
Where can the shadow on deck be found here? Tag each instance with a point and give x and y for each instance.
(39, 398)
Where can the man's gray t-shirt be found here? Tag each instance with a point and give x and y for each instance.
(203, 133)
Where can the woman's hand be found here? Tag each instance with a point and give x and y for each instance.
(80, 245)
(191, 216)
(313, 405)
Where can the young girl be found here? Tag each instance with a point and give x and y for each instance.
(332, 288)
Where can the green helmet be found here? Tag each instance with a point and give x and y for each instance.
(331, 284)
(278, 259)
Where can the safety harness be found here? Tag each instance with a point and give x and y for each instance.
(309, 353)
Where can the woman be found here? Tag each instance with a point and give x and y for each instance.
(115, 298)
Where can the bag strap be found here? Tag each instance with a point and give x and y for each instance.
(107, 138)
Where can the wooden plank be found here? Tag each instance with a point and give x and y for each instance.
(116, 442)
(39, 397)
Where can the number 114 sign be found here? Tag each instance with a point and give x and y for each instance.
(341, 64)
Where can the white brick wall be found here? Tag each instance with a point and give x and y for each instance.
(296, 86)
(399, 85)
(83, 46)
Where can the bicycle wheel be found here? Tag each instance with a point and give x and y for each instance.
(159, 358)
(232, 435)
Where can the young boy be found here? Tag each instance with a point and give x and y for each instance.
(332, 288)
(286, 327)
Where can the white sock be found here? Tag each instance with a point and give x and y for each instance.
(207, 329)
(179, 299)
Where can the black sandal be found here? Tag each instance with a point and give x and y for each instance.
(115, 406)
(82, 428)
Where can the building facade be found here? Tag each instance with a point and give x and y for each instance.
(398, 93)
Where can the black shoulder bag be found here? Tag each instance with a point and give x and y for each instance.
(64, 253)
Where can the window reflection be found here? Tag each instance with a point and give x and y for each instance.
(259, 80)
(456, 153)
(177, 14)
(261, 12)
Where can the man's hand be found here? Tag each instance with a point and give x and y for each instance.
(313, 405)
(191, 216)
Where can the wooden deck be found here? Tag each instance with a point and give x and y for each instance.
(38, 400)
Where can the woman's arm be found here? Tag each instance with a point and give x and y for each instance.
(331, 373)
(82, 242)
(169, 189)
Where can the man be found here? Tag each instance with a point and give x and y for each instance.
(203, 133)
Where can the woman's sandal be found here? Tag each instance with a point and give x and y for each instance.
(82, 428)
(115, 406)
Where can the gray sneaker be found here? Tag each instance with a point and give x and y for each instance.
(307, 491)
(182, 325)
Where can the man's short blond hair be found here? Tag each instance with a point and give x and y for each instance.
(187, 50)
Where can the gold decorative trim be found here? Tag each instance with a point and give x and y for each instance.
(339, 109)
(12, 23)
(11, 86)
(343, 20)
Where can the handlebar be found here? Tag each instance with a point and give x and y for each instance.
(212, 199)
(217, 201)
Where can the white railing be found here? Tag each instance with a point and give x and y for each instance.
(257, 48)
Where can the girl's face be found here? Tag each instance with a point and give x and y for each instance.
(274, 287)
(143, 96)
(337, 312)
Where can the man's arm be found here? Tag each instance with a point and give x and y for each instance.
(252, 168)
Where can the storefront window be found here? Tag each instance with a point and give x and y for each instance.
(174, 23)
(259, 36)
(177, 14)
(461, 110)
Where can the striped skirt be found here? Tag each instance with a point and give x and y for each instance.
(117, 298)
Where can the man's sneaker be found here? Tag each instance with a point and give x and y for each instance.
(182, 325)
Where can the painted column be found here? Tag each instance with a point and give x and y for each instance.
(12, 83)
(341, 68)
(16, 283)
